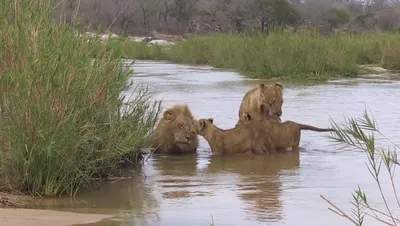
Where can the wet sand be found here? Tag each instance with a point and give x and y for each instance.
(33, 217)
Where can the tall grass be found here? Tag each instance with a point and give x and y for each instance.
(361, 134)
(63, 120)
(144, 51)
(300, 55)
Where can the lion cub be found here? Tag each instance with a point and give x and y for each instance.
(282, 135)
(241, 139)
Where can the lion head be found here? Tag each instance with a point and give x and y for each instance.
(203, 124)
(176, 131)
(248, 117)
(271, 96)
(245, 118)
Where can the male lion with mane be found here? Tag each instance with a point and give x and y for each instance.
(241, 139)
(176, 132)
(268, 95)
(282, 135)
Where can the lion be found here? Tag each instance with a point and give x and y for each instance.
(269, 95)
(241, 139)
(176, 132)
(282, 135)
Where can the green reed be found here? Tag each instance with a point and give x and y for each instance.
(301, 55)
(63, 121)
(360, 134)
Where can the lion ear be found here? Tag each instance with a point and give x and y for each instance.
(211, 120)
(279, 85)
(202, 124)
(169, 115)
(247, 116)
(261, 86)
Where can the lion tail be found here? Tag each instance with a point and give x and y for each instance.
(313, 128)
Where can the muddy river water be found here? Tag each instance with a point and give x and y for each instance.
(281, 189)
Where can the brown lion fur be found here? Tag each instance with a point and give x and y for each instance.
(282, 135)
(241, 139)
(175, 132)
(268, 95)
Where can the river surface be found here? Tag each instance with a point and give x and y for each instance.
(281, 189)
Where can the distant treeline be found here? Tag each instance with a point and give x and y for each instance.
(140, 17)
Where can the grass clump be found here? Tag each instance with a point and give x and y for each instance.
(63, 119)
(143, 51)
(301, 55)
(361, 134)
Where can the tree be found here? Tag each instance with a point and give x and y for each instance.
(182, 11)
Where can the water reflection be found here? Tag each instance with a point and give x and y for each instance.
(133, 200)
(177, 176)
(246, 190)
(176, 165)
(259, 183)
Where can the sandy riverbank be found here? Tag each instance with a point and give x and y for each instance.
(33, 217)
(11, 214)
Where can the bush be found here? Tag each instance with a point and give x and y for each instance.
(63, 120)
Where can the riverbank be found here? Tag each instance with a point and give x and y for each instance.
(14, 200)
(47, 217)
(64, 124)
(301, 55)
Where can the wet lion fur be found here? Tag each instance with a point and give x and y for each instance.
(241, 139)
(268, 95)
(176, 131)
(282, 135)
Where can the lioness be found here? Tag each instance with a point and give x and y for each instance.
(176, 131)
(282, 135)
(241, 139)
(269, 95)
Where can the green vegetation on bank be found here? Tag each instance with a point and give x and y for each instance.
(63, 121)
(300, 55)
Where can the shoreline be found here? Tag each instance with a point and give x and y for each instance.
(366, 71)
(10, 200)
(300, 56)
(14, 209)
(19, 216)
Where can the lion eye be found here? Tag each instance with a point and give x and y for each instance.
(180, 126)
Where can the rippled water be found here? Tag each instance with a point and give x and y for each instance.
(281, 189)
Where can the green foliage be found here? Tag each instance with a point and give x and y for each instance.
(279, 54)
(337, 17)
(142, 50)
(282, 13)
(63, 121)
(364, 17)
(299, 55)
(360, 134)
